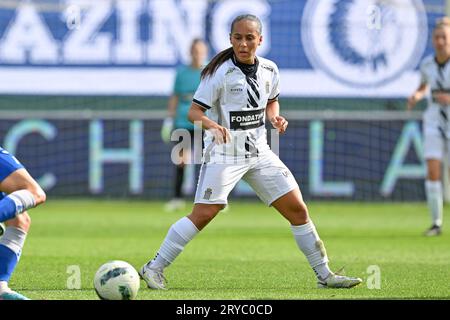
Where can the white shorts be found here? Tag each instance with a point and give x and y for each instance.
(267, 175)
(434, 144)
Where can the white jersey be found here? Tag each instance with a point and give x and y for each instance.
(236, 99)
(437, 77)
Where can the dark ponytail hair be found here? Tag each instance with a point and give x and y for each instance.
(226, 54)
(216, 62)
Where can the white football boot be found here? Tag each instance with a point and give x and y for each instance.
(433, 231)
(153, 277)
(338, 281)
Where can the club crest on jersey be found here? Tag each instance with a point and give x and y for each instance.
(208, 193)
(391, 42)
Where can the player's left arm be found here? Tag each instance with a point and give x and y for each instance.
(273, 114)
(442, 98)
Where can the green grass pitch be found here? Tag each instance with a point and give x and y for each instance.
(245, 253)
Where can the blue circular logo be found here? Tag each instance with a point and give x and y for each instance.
(364, 43)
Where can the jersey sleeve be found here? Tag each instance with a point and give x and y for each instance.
(276, 85)
(207, 92)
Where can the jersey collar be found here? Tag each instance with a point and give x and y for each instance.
(248, 69)
(441, 65)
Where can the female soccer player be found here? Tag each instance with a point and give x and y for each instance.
(18, 192)
(186, 82)
(435, 75)
(239, 91)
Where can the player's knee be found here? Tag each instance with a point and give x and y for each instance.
(24, 221)
(432, 176)
(301, 213)
(303, 208)
(204, 214)
(208, 214)
(21, 221)
(434, 171)
(39, 196)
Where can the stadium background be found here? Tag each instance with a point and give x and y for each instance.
(84, 87)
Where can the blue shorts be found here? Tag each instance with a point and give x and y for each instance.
(8, 164)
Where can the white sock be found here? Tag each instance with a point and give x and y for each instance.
(14, 239)
(312, 247)
(435, 201)
(178, 236)
(4, 286)
(23, 199)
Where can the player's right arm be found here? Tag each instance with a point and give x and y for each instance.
(197, 116)
(417, 95)
(206, 96)
(421, 91)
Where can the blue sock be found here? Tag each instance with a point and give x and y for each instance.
(8, 209)
(8, 262)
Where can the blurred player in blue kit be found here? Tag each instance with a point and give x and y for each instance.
(18, 193)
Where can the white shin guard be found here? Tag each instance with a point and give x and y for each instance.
(312, 247)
